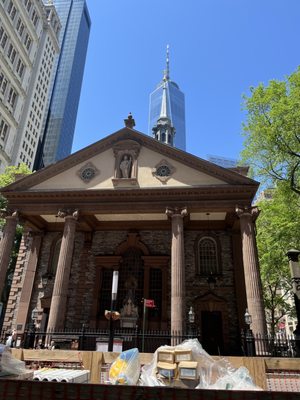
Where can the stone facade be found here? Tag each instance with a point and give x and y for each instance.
(81, 289)
(178, 241)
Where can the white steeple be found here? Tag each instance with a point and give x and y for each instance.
(164, 130)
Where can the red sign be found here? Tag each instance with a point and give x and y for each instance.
(149, 303)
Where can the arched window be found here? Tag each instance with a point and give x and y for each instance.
(208, 260)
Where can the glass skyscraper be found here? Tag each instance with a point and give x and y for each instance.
(175, 107)
(56, 142)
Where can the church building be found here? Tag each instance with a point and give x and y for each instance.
(180, 230)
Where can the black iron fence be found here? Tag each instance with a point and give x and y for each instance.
(148, 341)
(279, 345)
(95, 339)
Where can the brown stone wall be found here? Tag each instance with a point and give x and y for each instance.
(81, 294)
(197, 286)
(16, 287)
(106, 243)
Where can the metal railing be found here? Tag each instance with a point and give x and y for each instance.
(269, 346)
(95, 339)
(148, 341)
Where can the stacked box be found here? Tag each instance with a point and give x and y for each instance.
(187, 370)
(165, 363)
(167, 356)
(177, 363)
(167, 370)
(183, 355)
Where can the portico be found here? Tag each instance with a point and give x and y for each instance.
(165, 226)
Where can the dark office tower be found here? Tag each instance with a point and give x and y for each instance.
(169, 92)
(57, 139)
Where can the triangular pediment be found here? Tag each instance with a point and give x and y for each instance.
(152, 165)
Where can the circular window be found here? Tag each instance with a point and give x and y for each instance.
(163, 170)
(88, 173)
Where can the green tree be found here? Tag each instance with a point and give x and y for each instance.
(272, 131)
(278, 229)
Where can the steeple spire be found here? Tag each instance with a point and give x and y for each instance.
(167, 70)
(167, 110)
(164, 130)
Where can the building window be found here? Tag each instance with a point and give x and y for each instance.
(28, 5)
(3, 130)
(11, 9)
(4, 40)
(20, 68)
(20, 27)
(1, 32)
(10, 6)
(27, 41)
(163, 171)
(11, 53)
(12, 97)
(34, 17)
(208, 256)
(3, 86)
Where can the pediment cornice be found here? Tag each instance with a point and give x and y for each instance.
(115, 139)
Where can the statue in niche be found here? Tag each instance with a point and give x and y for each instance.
(129, 311)
(125, 166)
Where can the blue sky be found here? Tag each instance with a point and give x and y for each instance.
(218, 49)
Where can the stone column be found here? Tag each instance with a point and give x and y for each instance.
(6, 245)
(177, 269)
(60, 291)
(251, 269)
(35, 242)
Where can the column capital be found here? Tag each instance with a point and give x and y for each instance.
(245, 211)
(67, 212)
(176, 212)
(4, 213)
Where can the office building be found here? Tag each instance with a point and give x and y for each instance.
(28, 45)
(175, 107)
(57, 139)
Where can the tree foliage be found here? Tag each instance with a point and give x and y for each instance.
(272, 131)
(9, 176)
(278, 228)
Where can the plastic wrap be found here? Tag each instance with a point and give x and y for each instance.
(211, 373)
(10, 365)
(149, 374)
(238, 379)
(125, 370)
